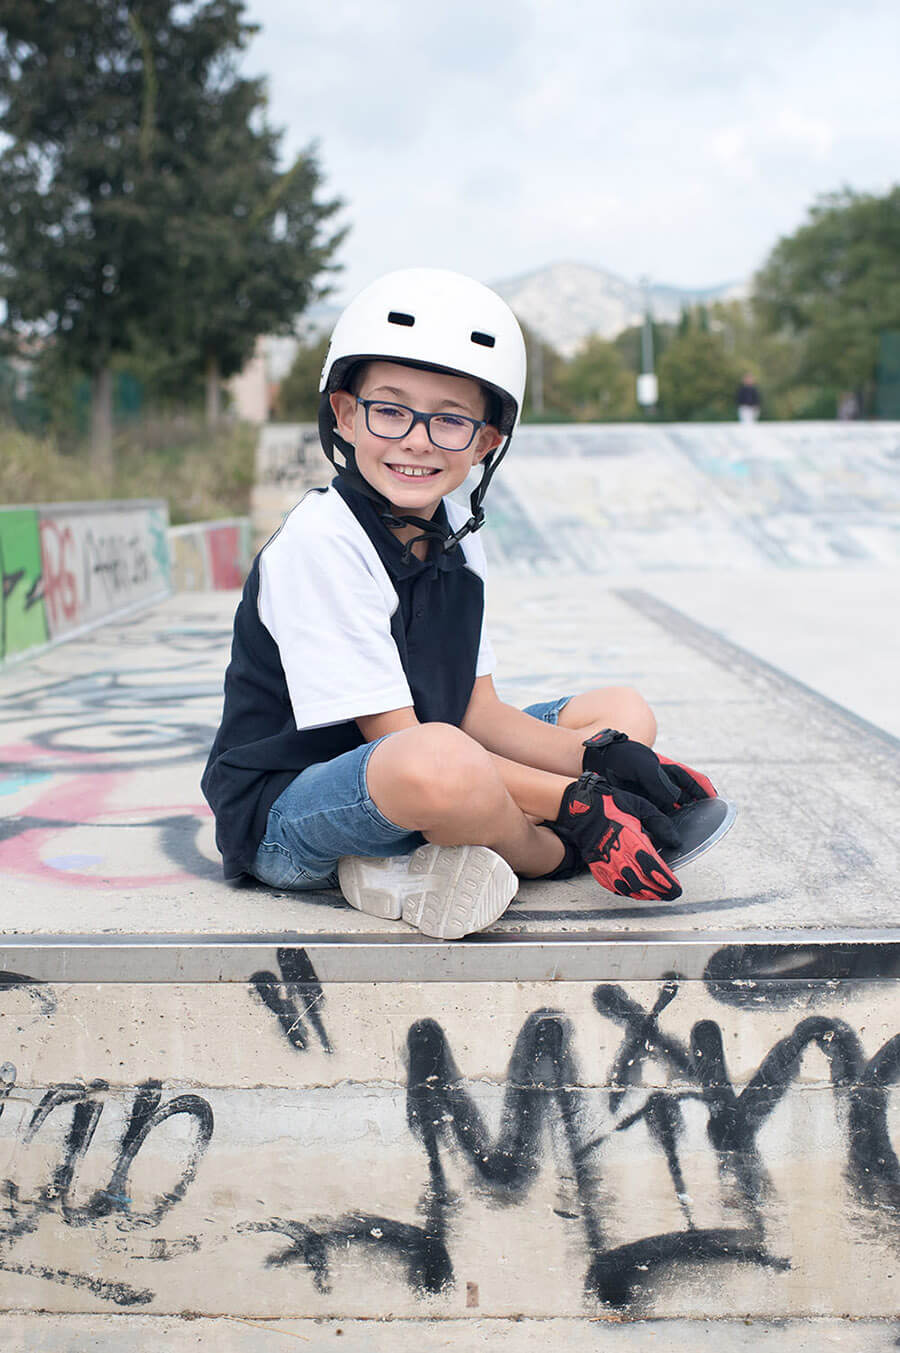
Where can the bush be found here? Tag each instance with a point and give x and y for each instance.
(203, 474)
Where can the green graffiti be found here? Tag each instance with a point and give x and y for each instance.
(23, 621)
(158, 526)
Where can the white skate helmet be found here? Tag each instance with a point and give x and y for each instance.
(429, 317)
(434, 318)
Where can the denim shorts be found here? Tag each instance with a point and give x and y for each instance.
(326, 812)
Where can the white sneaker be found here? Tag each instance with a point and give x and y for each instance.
(444, 891)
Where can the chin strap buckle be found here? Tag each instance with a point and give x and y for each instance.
(473, 524)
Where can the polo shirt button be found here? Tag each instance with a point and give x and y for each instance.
(420, 612)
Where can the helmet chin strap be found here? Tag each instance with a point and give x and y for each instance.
(430, 530)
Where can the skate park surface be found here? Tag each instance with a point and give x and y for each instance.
(278, 1114)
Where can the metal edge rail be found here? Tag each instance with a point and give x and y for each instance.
(794, 956)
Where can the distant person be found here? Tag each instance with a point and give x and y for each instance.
(848, 406)
(748, 399)
(362, 742)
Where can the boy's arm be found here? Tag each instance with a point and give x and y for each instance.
(500, 728)
(536, 792)
(374, 726)
(517, 736)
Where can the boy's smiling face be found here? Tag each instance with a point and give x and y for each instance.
(410, 471)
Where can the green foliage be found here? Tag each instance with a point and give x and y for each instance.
(698, 377)
(202, 474)
(595, 386)
(834, 285)
(298, 396)
(248, 263)
(141, 204)
(888, 376)
(544, 400)
(773, 358)
(629, 344)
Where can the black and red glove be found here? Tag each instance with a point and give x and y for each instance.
(632, 766)
(617, 835)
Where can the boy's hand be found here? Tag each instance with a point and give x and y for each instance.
(612, 829)
(632, 766)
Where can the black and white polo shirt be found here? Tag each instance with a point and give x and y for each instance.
(333, 625)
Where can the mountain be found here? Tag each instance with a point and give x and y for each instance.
(567, 302)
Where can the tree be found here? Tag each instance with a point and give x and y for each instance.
(248, 260)
(629, 343)
(698, 377)
(596, 385)
(136, 172)
(543, 400)
(834, 285)
(298, 395)
(774, 358)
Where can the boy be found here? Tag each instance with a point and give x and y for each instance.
(362, 741)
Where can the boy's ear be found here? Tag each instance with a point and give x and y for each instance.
(344, 406)
(488, 440)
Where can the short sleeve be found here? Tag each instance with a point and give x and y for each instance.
(327, 601)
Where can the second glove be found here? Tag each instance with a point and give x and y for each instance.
(617, 834)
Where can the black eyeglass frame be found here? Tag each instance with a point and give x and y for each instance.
(419, 417)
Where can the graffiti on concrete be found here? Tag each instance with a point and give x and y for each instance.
(736, 973)
(543, 1083)
(64, 568)
(91, 740)
(284, 449)
(295, 999)
(207, 556)
(99, 562)
(23, 619)
(667, 1098)
(22, 1215)
(34, 844)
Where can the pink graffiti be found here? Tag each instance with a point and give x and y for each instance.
(224, 547)
(60, 583)
(76, 803)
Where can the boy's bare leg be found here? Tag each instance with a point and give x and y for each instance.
(619, 707)
(437, 780)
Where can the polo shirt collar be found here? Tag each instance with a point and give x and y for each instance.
(390, 549)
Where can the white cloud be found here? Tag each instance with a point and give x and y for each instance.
(730, 147)
(500, 135)
(807, 133)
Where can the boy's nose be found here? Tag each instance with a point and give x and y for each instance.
(417, 438)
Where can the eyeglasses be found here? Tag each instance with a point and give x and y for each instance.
(448, 431)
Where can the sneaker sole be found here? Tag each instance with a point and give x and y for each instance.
(443, 891)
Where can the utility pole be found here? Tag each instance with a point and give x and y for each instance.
(647, 385)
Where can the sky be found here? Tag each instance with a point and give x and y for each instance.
(677, 139)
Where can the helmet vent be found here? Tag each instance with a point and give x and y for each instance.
(398, 317)
(486, 340)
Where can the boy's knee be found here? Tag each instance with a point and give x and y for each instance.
(446, 770)
(639, 717)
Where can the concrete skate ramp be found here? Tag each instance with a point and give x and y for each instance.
(239, 1103)
(105, 830)
(611, 499)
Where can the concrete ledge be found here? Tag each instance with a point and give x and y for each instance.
(288, 1147)
(152, 1334)
(741, 958)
